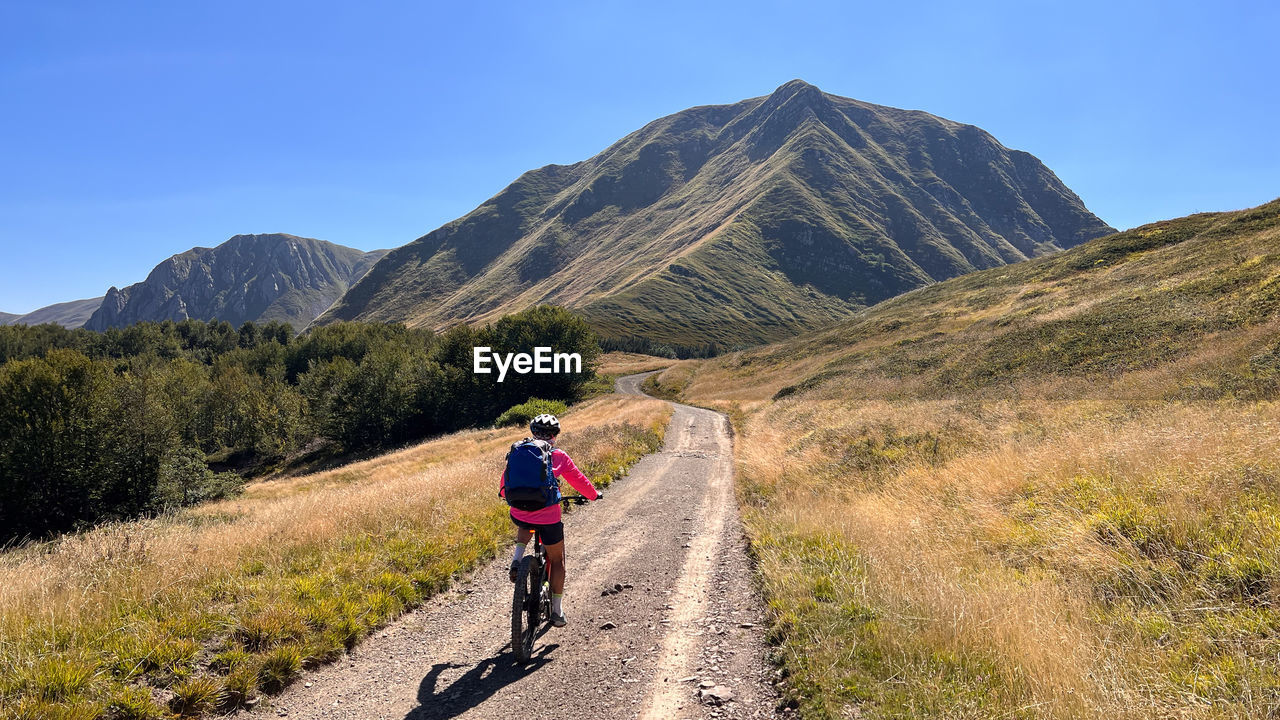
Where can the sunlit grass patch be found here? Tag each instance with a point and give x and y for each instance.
(1116, 567)
(844, 648)
(279, 667)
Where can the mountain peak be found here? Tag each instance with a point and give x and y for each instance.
(266, 239)
(792, 87)
(736, 223)
(266, 277)
(796, 91)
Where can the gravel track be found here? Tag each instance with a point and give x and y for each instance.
(686, 616)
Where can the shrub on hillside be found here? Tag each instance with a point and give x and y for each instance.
(185, 479)
(524, 412)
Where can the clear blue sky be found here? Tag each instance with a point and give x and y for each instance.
(133, 131)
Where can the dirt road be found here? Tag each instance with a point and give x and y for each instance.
(685, 616)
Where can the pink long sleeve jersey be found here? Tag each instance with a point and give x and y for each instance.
(562, 467)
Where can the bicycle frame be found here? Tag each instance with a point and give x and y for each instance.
(531, 600)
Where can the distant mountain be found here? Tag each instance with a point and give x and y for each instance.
(249, 277)
(736, 223)
(72, 314)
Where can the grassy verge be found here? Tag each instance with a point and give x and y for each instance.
(204, 611)
(1028, 560)
(672, 381)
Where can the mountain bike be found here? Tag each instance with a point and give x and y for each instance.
(531, 602)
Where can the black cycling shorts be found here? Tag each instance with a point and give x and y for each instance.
(551, 534)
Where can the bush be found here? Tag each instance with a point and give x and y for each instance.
(185, 479)
(524, 412)
(58, 443)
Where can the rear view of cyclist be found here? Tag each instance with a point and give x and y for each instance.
(546, 520)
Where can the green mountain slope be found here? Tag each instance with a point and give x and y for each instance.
(736, 223)
(1130, 301)
(71, 314)
(249, 277)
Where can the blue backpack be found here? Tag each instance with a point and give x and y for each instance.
(530, 483)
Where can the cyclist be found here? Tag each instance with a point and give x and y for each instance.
(547, 520)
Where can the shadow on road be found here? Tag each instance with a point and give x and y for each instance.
(477, 685)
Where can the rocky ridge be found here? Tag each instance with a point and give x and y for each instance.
(257, 278)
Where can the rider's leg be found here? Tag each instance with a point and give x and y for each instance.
(555, 559)
(523, 536)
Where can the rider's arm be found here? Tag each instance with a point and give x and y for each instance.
(562, 465)
(502, 485)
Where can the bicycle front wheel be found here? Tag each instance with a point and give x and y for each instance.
(525, 610)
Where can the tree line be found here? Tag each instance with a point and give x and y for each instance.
(102, 426)
(646, 346)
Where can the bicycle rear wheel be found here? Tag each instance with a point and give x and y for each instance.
(525, 607)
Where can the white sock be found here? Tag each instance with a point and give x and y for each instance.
(519, 553)
(557, 602)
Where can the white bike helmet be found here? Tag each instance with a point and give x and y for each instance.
(544, 426)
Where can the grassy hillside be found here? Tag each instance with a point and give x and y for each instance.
(206, 610)
(736, 224)
(72, 314)
(1043, 490)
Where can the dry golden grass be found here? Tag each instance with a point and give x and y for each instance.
(1054, 547)
(726, 385)
(301, 566)
(1005, 571)
(624, 363)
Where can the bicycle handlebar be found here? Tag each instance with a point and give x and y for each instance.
(576, 500)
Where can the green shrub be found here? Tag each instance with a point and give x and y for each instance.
(241, 685)
(270, 627)
(185, 479)
(58, 679)
(524, 412)
(135, 703)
